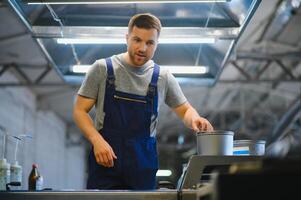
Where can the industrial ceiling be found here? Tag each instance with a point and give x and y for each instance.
(195, 31)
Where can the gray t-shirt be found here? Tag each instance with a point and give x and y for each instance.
(129, 79)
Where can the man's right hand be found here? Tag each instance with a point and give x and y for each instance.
(103, 153)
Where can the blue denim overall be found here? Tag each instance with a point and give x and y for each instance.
(127, 129)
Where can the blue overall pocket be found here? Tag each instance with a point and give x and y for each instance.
(144, 153)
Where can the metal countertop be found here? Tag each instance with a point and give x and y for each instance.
(100, 194)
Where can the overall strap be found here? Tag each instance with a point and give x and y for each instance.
(152, 92)
(155, 75)
(110, 72)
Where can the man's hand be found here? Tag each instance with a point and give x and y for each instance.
(103, 152)
(201, 124)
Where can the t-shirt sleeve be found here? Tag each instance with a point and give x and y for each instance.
(174, 95)
(90, 85)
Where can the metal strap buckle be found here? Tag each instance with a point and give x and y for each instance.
(151, 90)
(111, 80)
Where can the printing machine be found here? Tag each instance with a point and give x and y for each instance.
(205, 177)
(268, 178)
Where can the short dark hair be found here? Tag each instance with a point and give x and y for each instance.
(146, 21)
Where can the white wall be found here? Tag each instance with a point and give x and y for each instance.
(61, 166)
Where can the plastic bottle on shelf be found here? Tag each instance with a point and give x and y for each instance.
(35, 180)
(4, 165)
(16, 169)
(16, 172)
(4, 173)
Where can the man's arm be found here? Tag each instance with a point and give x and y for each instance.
(191, 118)
(103, 152)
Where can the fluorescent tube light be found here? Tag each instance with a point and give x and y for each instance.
(186, 69)
(120, 1)
(164, 172)
(123, 41)
(186, 40)
(91, 41)
(173, 69)
(80, 68)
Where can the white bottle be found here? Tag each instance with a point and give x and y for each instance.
(4, 174)
(40, 183)
(16, 172)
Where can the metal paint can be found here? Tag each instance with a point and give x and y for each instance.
(215, 143)
(249, 147)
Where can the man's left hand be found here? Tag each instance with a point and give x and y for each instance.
(201, 124)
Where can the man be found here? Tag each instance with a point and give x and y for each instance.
(126, 91)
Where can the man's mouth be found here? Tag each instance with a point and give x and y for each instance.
(141, 55)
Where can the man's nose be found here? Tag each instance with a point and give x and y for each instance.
(142, 47)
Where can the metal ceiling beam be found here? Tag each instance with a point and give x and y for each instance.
(36, 13)
(225, 81)
(21, 15)
(21, 73)
(117, 1)
(227, 13)
(241, 70)
(291, 55)
(283, 44)
(285, 69)
(33, 85)
(13, 37)
(286, 119)
(285, 17)
(27, 66)
(248, 18)
(4, 68)
(256, 78)
(269, 59)
(28, 81)
(43, 75)
(263, 69)
(270, 20)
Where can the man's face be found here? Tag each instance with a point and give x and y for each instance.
(142, 44)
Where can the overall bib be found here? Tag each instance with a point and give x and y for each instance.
(126, 128)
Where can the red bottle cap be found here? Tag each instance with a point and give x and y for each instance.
(34, 166)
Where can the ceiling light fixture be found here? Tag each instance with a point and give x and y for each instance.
(186, 69)
(91, 41)
(123, 41)
(176, 70)
(186, 40)
(80, 68)
(119, 1)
